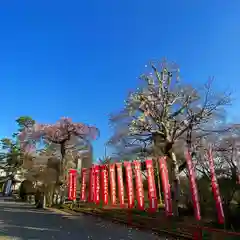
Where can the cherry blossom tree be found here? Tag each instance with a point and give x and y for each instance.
(58, 133)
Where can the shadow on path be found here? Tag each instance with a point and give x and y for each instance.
(22, 221)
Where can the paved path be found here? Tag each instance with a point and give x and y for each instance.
(22, 221)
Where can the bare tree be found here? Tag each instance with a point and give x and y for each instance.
(165, 111)
(226, 158)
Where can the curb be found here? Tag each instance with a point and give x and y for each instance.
(58, 211)
(135, 225)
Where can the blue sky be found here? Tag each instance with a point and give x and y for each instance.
(79, 58)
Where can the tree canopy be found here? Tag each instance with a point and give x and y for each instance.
(165, 108)
(164, 115)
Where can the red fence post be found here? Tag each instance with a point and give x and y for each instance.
(129, 180)
(193, 185)
(91, 185)
(166, 186)
(104, 184)
(113, 183)
(97, 185)
(215, 188)
(83, 184)
(197, 234)
(70, 187)
(120, 184)
(152, 193)
(72, 184)
(139, 185)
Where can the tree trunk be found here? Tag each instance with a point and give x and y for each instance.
(158, 180)
(156, 155)
(61, 170)
(50, 191)
(79, 166)
(62, 178)
(41, 199)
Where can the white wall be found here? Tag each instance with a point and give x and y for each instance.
(3, 173)
(18, 176)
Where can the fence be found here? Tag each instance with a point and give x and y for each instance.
(114, 186)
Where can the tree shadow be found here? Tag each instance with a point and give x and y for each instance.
(26, 222)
